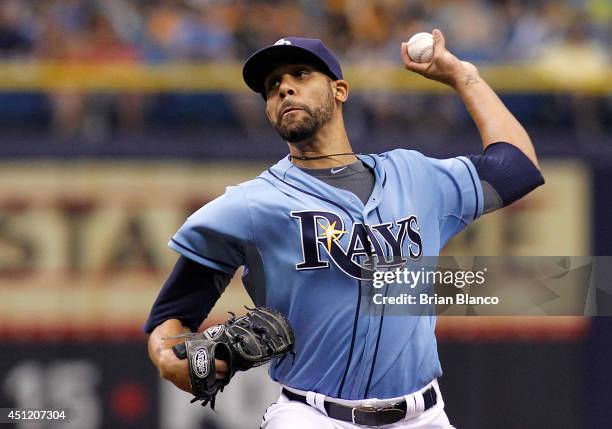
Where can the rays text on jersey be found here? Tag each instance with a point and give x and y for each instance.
(363, 250)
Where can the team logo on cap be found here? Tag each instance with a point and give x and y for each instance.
(282, 42)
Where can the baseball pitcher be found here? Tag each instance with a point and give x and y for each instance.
(311, 230)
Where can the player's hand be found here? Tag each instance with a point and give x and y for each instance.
(176, 370)
(444, 66)
(222, 368)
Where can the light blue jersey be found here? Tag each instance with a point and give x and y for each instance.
(308, 249)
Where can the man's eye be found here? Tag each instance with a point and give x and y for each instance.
(273, 84)
(301, 73)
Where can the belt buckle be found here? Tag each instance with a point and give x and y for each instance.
(379, 412)
(364, 409)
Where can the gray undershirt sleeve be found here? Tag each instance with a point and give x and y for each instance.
(492, 200)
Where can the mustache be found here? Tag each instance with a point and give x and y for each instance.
(292, 105)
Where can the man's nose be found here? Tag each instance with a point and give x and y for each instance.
(286, 87)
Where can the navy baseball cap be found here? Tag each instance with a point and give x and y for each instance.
(289, 49)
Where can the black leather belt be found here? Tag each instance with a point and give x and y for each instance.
(368, 416)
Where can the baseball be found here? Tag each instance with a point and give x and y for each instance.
(420, 47)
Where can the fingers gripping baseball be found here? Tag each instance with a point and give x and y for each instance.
(439, 46)
(444, 66)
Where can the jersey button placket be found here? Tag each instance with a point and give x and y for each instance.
(369, 338)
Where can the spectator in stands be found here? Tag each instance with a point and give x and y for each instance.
(14, 40)
(576, 56)
(81, 33)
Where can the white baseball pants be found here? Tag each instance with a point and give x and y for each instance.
(286, 414)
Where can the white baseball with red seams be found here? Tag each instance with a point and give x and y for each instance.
(420, 48)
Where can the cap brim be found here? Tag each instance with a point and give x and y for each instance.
(259, 65)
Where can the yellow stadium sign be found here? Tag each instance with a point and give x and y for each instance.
(549, 76)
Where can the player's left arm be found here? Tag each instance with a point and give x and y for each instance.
(509, 163)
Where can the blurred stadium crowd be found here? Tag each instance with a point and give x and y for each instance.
(167, 30)
(360, 31)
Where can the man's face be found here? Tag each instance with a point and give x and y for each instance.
(299, 101)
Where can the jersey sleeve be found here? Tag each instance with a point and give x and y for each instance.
(459, 195)
(506, 174)
(216, 235)
(189, 293)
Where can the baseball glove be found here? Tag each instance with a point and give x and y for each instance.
(245, 342)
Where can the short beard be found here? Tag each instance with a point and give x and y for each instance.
(297, 131)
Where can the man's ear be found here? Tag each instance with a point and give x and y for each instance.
(341, 90)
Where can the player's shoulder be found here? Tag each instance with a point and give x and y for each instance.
(261, 187)
(403, 154)
(415, 157)
(236, 195)
(264, 180)
(235, 201)
(424, 169)
(252, 191)
(405, 160)
(251, 185)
